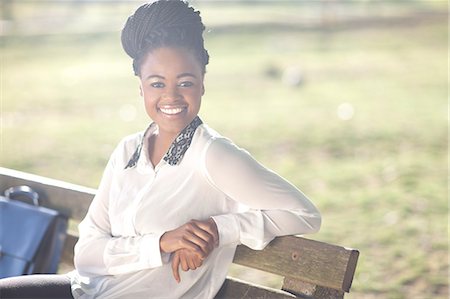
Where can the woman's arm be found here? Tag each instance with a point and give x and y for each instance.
(277, 207)
(98, 252)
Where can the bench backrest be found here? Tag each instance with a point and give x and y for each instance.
(310, 268)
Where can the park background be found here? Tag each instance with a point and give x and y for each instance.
(346, 99)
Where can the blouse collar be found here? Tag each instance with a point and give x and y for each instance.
(176, 150)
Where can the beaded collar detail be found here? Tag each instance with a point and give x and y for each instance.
(177, 149)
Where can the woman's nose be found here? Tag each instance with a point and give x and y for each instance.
(172, 93)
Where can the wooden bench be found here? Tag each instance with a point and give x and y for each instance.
(311, 269)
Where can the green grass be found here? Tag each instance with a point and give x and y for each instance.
(379, 178)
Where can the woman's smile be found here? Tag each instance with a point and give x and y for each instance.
(172, 111)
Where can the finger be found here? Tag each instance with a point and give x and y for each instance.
(191, 261)
(184, 263)
(185, 244)
(190, 258)
(202, 237)
(203, 229)
(174, 240)
(197, 261)
(195, 244)
(209, 226)
(175, 266)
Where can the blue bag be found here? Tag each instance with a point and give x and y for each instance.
(31, 237)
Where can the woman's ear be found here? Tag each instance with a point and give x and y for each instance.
(141, 93)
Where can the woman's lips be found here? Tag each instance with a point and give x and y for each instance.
(172, 110)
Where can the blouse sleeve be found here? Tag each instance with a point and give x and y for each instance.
(275, 207)
(98, 252)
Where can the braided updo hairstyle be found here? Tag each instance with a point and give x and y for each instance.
(164, 23)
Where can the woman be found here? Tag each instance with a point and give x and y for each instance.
(178, 195)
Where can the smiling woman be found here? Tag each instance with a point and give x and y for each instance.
(172, 95)
(177, 195)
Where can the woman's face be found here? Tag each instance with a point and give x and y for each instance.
(172, 87)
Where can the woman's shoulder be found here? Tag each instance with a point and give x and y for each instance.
(217, 145)
(126, 147)
(207, 135)
(206, 132)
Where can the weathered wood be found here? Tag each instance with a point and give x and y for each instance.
(298, 287)
(307, 290)
(234, 288)
(307, 260)
(72, 200)
(327, 293)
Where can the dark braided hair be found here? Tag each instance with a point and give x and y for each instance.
(164, 23)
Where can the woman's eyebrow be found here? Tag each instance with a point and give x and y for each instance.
(154, 76)
(178, 77)
(186, 75)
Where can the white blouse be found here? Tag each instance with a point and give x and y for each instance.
(118, 253)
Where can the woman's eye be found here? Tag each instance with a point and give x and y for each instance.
(157, 85)
(186, 84)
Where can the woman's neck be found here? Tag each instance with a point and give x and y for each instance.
(158, 145)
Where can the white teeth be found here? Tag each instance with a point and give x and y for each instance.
(171, 111)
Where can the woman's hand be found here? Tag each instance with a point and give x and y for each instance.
(188, 261)
(200, 237)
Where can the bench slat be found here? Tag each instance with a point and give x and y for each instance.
(70, 199)
(308, 260)
(308, 290)
(234, 288)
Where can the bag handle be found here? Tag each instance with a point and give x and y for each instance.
(22, 192)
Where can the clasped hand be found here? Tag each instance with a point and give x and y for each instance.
(190, 244)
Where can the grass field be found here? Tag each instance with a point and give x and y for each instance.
(364, 133)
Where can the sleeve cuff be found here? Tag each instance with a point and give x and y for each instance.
(228, 228)
(150, 253)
